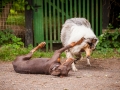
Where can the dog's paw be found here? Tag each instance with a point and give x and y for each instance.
(42, 44)
(88, 65)
(75, 69)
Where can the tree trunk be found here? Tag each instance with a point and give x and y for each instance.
(4, 15)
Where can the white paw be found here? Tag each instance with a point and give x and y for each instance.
(88, 64)
(74, 68)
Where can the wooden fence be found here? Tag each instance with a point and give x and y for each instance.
(49, 15)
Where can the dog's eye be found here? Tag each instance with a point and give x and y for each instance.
(90, 44)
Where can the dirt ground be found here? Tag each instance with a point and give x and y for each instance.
(102, 75)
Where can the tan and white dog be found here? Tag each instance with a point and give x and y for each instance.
(73, 29)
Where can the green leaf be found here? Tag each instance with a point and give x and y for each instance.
(28, 7)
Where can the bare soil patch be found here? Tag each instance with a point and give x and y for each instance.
(102, 75)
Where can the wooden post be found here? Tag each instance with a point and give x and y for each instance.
(105, 14)
(28, 24)
(38, 21)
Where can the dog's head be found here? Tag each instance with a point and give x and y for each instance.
(90, 44)
(63, 69)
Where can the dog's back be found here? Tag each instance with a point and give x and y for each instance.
(74, 29)
(33, 66)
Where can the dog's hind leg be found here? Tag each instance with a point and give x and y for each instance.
(29, 55)
(41, 45)
(57, 53)
(69, 54)
(71, 45)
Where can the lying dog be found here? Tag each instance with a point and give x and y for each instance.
(74, 29)
(23, 64)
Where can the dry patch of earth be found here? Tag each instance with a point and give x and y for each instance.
(102, 75)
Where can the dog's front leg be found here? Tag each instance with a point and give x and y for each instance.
(88, 61)
(88, 53)
(69, 55)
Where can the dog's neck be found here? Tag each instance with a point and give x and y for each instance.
(54, 67)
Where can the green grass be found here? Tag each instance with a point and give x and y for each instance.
(8, 53)
(105, 54)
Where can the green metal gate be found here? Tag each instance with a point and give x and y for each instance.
(49, 15)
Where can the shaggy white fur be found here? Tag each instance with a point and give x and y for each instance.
(73, 30)
(77, 33)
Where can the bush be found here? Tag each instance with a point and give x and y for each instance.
(8, 38)
(109, 40)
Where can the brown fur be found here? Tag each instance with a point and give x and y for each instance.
(23, 64)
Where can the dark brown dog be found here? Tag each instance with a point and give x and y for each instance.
(23, 64)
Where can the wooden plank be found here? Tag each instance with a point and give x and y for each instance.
(58, 9)
(88, 9)
(75, 9)
(100, 17)
(96, 22)
(79, 8)
(46, 25)
(92, 14)
(62, 5)
(71, 7)
(66, 9)
(58, 20)
(54, 21)
(50, 29)
(38, 22)
(84, 7)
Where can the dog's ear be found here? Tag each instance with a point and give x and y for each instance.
(94, 40)
(56, 72)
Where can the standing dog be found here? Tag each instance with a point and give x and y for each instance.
(74, 29)
(23, 64)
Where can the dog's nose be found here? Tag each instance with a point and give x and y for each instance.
(93, 49)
